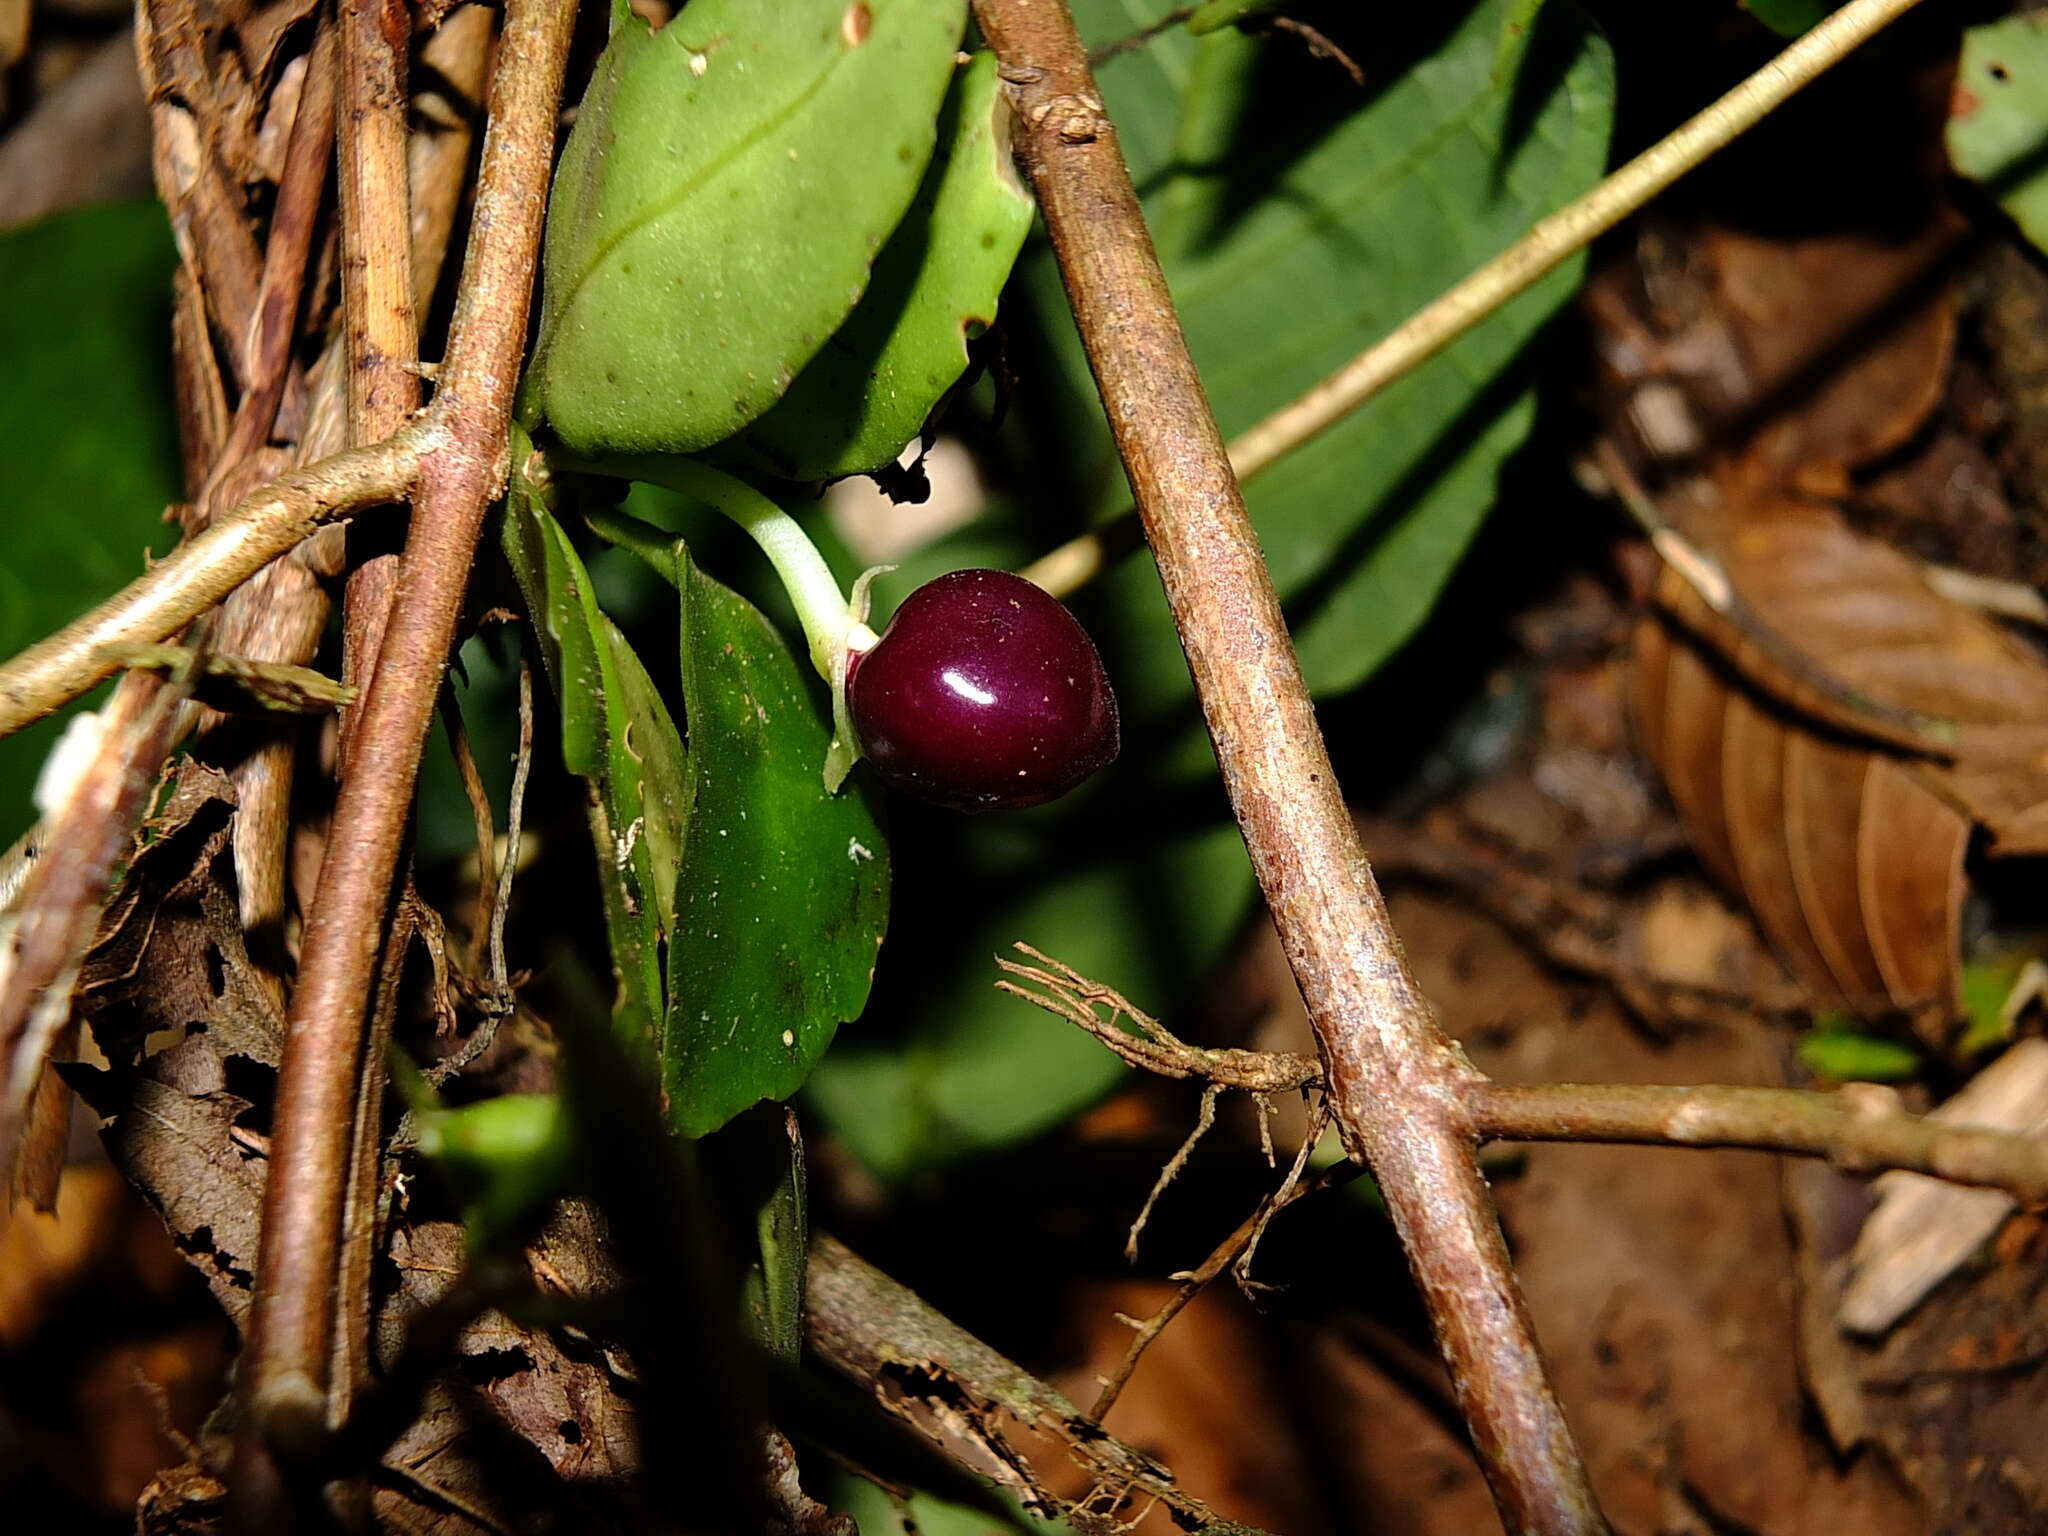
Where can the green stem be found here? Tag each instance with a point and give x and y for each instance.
(821, 606)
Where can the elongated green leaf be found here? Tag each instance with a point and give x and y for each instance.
(1998, 127)
(1849, 1057)
(867, 394)
(783, 895)
(727, 184)
(1296, 233)
(616, 733)
(89, 450)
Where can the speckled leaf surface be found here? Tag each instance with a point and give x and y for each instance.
(867, 394)
(728, 182)
(784, 891)
(616, 733)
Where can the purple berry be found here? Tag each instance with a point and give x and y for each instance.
(983, 694)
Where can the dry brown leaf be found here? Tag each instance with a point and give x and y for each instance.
(1812, 355)
(1955, 1395)
(1832, 737)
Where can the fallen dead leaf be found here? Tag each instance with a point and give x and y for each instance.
(1832, 740)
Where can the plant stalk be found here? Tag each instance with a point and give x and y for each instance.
(286, 1371)
(1393, 1076)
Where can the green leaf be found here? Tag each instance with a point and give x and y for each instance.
(1998, 122)
(616, 733)
(1990, 978)
(505, 1159)
(1299, 220)
(756, 1166)
(728, 181)
(1848, 1057)
(89, 457)
(1789, 18)
(868, 392)
(1218, 14)
(783, 895)
(1517, 24)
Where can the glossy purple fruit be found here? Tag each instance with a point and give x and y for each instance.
(983, 694)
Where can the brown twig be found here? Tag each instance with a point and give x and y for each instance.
(1234, 1252)
(279, 614)
(1205, 1117)
(479, 798)
(522, 766)
(1391, 1074)
(959, 1393)
(1068, 994)
(201, 571)
(379, 331)
(288, 1365)
(1859, 1129)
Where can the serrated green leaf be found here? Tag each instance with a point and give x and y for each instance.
(616, 733)
(868, 392)
(1998, 118)
(728, 181)
(1847, 1057)
(89, 457)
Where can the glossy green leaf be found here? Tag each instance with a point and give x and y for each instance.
(1998, 123)
(616, 733)
(783, 894)
(867, 394)
(728, 181)
(1845, 1056)
(89, 457)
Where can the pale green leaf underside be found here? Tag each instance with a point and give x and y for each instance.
(727, 184)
